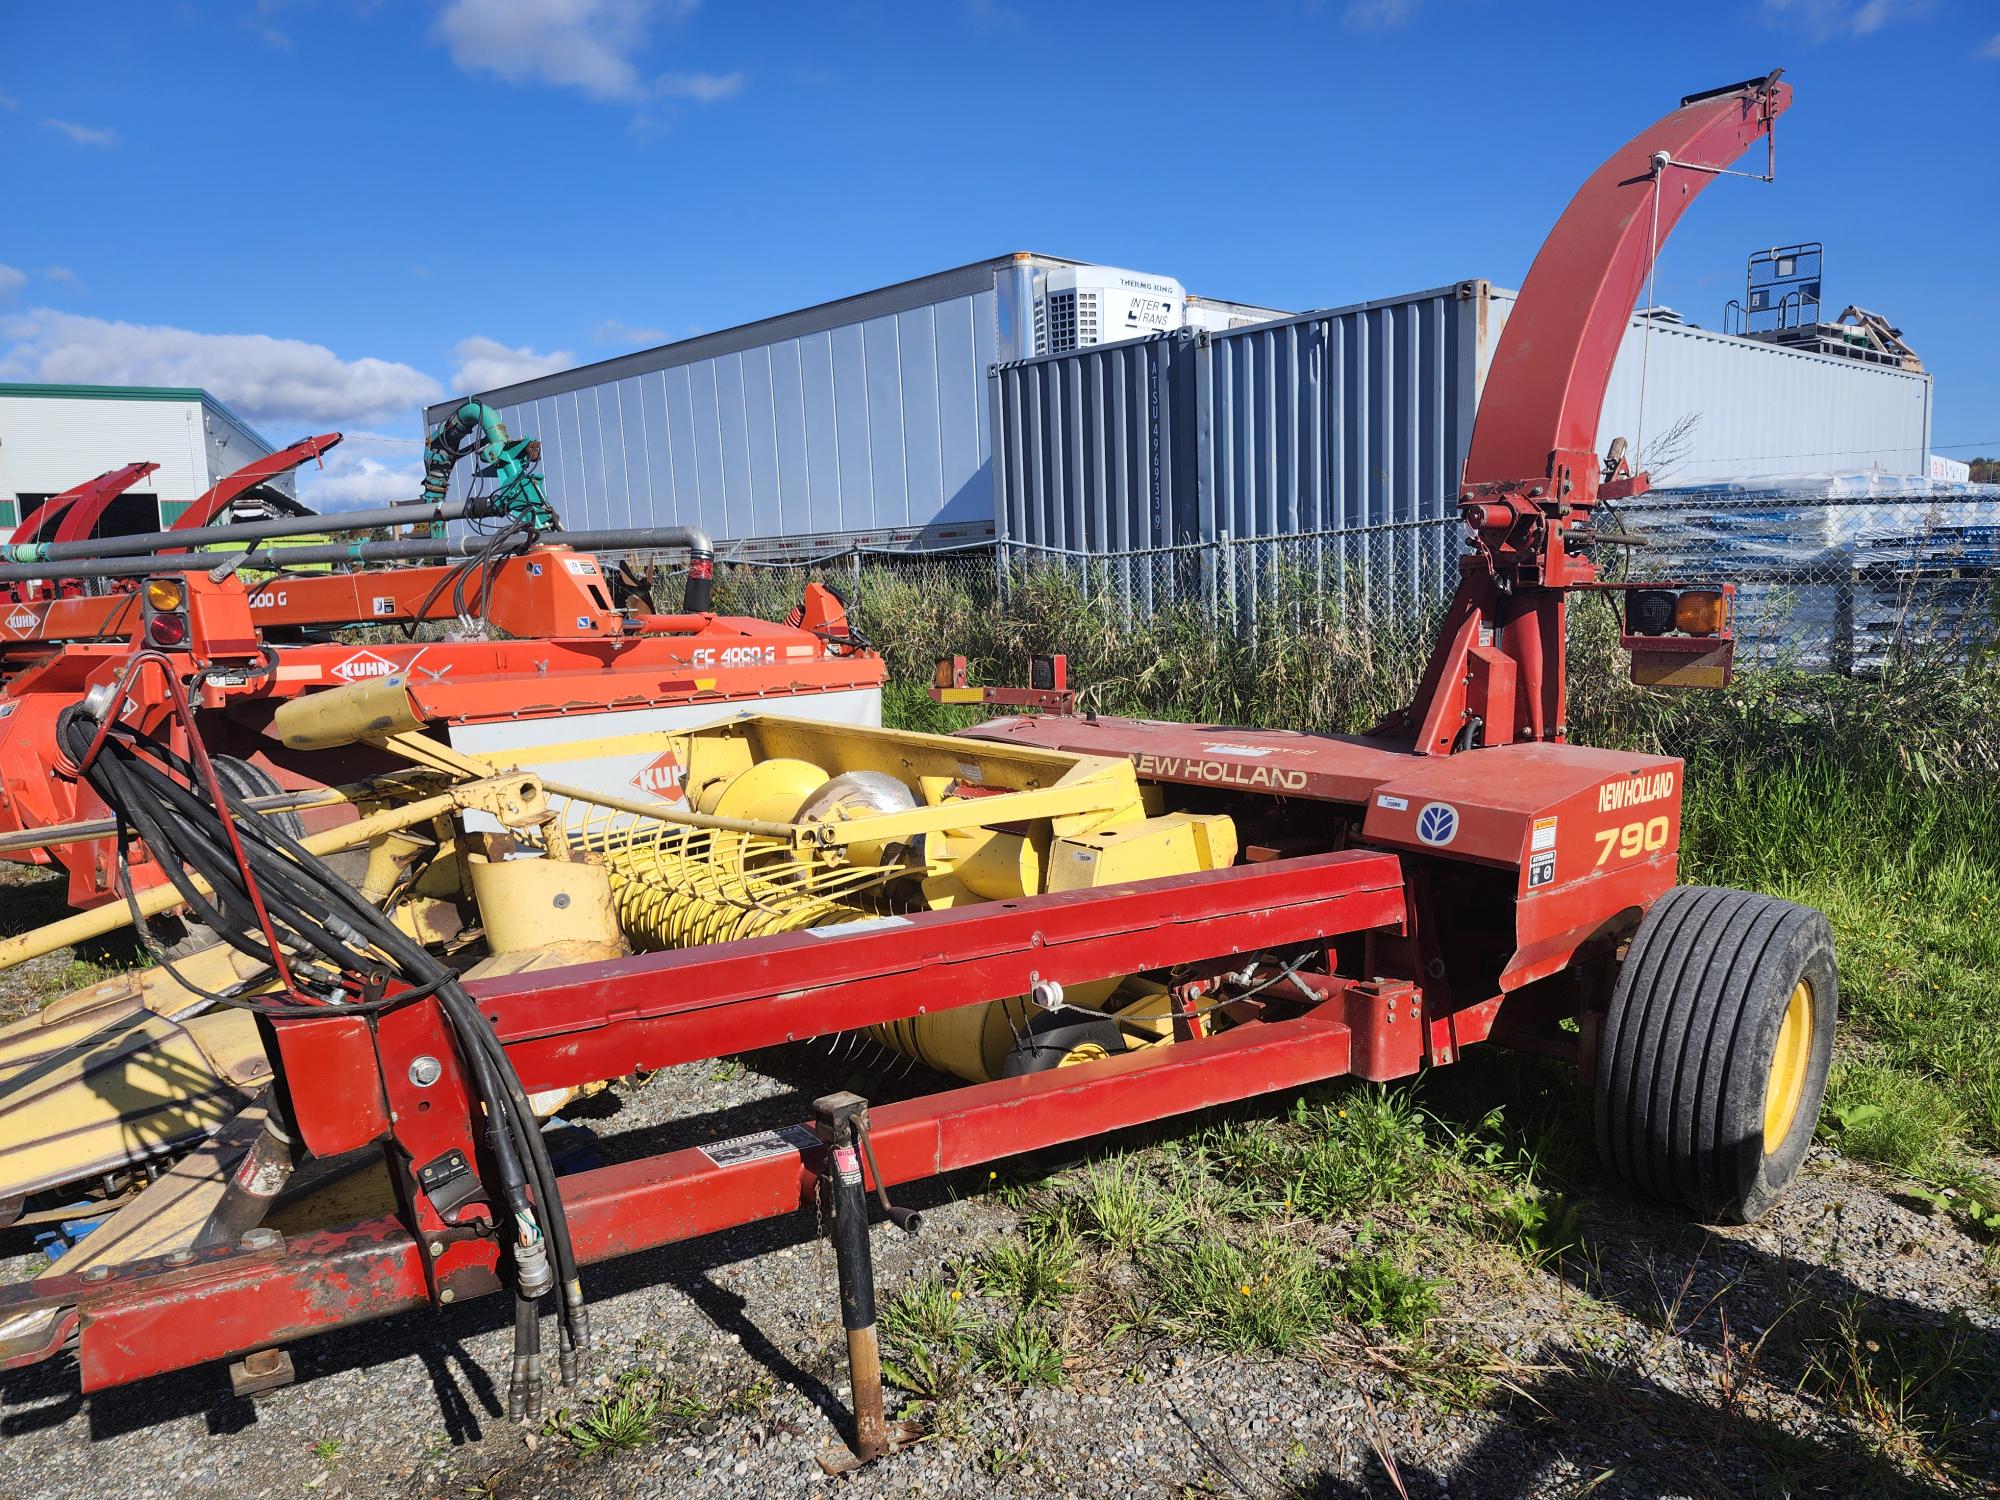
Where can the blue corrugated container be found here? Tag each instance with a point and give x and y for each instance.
(1361, 417)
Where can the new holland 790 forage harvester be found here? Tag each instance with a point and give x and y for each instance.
(1095, 922)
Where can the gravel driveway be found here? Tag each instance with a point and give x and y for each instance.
(1637, 1364)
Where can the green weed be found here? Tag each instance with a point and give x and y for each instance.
(1377, 1292)
(1025, 1352)
(1034, 1271)
(1119, 1207)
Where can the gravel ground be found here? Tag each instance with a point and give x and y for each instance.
(1631, 1368)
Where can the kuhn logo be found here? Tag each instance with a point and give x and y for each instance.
(364, 664)
(23, 618)
(661, 778)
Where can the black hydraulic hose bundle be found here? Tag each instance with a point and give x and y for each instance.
(330, 935)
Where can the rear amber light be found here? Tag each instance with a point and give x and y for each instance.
(1699, 612)
(165, 593)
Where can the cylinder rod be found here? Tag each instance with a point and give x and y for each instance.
(402, 550)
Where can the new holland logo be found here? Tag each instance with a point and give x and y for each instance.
(1437, 823)
(364, 664)
(23, 618)
(661, 778)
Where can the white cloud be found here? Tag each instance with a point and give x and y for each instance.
(701, 88)
(62, 276)
(1992, 48)
(11, 281)
(8, 101)
(1378, 15)
(585, 44)
(1826, 20)
(278, 385)
(487, 364)
(613, 331)
(84, 135)
(367, 470)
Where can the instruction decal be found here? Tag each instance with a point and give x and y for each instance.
(1542, 868)
(765, 1143)
(1544, 835)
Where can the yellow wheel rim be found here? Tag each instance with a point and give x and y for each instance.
(1089, 1052)
(1786, 1085)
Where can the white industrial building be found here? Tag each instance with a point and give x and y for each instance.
(53, 437)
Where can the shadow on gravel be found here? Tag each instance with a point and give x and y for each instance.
(47, 1395)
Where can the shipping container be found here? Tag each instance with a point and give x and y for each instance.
(864, 420)
(1358, 419)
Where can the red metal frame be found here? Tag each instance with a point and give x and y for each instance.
(1532, 475)
(216, 499)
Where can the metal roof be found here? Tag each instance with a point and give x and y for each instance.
(899, 297)
(36, 389)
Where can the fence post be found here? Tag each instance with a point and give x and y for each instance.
(1843, 618)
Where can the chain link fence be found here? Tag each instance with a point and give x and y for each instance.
(1824, 582)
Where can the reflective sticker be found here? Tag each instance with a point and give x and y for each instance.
(534, 570)
(853, 929)
(1437, 824)
(1544, 835)
(1393, 804)
(765, 1143)
(583, 622)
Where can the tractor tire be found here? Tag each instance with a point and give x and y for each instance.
(177, 933)
(1054, 1041)
(1712, 1063)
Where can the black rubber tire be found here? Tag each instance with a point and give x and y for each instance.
(1052, 1037)
(1686, 1051)
(176, 933)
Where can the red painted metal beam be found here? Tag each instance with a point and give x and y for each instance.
(214, 500)
(154, 1318)
(94, 494)
(603, 1020)
(1545, 390)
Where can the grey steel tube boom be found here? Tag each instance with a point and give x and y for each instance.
(697, 542)
(475, 509)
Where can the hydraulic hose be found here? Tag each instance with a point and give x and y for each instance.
(333, 934)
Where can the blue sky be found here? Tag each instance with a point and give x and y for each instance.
(331, 211)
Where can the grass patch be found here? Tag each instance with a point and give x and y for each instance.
(1879, 1113)
(1918, 1396)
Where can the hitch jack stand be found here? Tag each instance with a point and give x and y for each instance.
(844, 1120)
